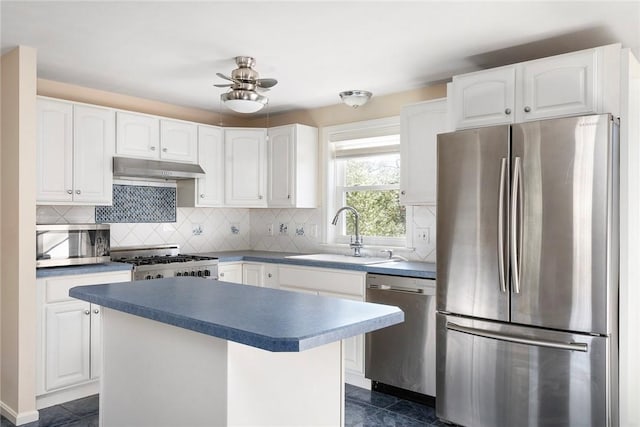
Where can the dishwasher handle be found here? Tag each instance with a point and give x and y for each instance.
(391, 288)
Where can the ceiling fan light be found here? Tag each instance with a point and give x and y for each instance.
(244, 101)
(355, 98)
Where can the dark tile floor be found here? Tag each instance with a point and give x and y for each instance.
(77, 413)
(363, 408)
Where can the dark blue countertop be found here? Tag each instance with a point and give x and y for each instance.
(82, 269)
(423, 270)
(269, 319)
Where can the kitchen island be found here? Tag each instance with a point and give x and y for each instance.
(196, 352)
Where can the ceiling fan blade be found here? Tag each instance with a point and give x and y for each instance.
(266, 83)
(262, 89)
(222, 76)
(225, 85)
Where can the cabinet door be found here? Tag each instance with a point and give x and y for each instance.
(253, 274)
(271, 276)
(54, 156)
(419, 127)
(210, 189)
(558, 86)
(179, 141)
(230, 272)
(93, 147)
(96, 341)
(67, 344)
(245, 167)
(281, 167)
(137, 135)
(353, 350)
(484, 98)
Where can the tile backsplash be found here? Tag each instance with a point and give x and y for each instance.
(139, 203)
(223, 229)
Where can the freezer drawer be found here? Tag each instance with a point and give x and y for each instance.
(494, 374)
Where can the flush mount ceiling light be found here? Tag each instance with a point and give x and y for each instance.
(243, 96)
(355, 98)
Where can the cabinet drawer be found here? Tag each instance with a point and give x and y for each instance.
(57, 288)
(322, 280)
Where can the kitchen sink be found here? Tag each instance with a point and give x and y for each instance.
(345, 259)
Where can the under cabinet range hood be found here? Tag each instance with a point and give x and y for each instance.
(157, 169)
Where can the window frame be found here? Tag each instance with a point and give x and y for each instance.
(355, 130)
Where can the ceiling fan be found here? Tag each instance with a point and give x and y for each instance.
(243, 96)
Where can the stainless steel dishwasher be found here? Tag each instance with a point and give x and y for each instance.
(403, 356)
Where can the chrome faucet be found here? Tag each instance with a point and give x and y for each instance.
(357, 244)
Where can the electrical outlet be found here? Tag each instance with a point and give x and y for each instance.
(312, 230)
(270, 230)
(423, 236)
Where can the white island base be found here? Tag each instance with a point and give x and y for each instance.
(155, 374)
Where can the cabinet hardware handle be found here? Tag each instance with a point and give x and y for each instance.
(77, 191)
(164, 150)
(288, 196)
(153, 148)
(69, 191)
(507, 111)
(260, 197)
(87, 312)
(403, 192)
(202, 196)
(269, 275)
(96, 311)
(221, 274)
(527, 109)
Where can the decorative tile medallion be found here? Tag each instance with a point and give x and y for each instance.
(137, 203)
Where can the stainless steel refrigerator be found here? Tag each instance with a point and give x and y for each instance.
(527, 265)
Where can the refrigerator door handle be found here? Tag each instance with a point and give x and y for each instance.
(571, 346)
(503, 170)
(515, 193)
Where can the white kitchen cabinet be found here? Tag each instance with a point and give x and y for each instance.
(74, 151)
(209, 190)
(230, 272)
(245, 167)
(151, 137)
(575, 83)
(137, 135)
(260, 274)
(178, 141)
(420, 125)
(333, 283)
(292, 153)
(68, 351)
(484, 98)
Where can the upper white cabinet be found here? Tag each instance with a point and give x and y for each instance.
(420, 125)
(484, 98)
(138, 135)
(245, 167)
(292, 153)
(178, 141)
(581, 82)
(149, 137)
(74, 151)
(209, 190)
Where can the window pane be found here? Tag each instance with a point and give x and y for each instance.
(380, 213)
(374, 170)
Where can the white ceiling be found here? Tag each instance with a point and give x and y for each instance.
(170, 51)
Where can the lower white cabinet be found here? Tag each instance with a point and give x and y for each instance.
(332, 283)
(68, 331)
(260, 274)
(230, 272)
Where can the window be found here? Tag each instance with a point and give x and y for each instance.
(365, 165)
